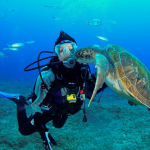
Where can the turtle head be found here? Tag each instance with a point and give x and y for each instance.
(85, 55)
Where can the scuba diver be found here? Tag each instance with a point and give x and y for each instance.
(59, 91)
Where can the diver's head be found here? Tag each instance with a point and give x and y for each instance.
(65, 46)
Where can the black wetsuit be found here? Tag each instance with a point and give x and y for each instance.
(60, 110)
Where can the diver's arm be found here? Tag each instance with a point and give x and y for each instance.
(48, 78)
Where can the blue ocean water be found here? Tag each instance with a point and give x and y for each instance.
(125, 23)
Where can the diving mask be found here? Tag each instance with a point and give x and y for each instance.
(66, 50)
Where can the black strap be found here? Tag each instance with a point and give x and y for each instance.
(85, 91)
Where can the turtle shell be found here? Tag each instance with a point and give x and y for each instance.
(132, 75)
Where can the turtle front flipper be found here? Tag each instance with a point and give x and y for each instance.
(102, 65)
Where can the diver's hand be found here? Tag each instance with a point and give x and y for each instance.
(51, 109)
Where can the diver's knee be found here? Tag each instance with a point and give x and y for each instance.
(58, 125)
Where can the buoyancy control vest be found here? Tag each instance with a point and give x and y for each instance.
(70, 79)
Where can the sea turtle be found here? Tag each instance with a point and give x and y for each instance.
(120, 70)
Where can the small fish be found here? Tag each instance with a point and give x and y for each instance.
(29, 42)
(57, 18)
(13, 49)
(3, 55)
(16, 45)
(102, 38)
(11, 9)
(1, 15)
(94, 22)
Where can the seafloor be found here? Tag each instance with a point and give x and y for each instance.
(112, 125)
